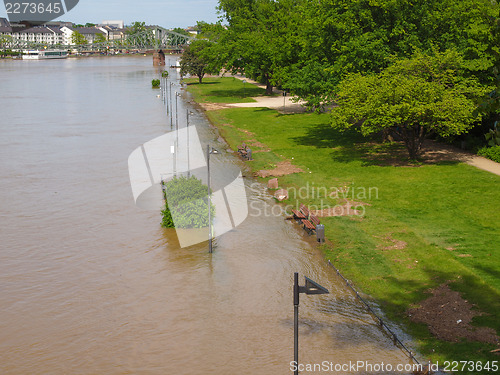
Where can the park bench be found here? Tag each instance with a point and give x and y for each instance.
(302, 214)
(243, 150)
(310, 225)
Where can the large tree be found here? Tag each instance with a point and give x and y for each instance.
(413, 99)
(199, 59)
(255, 42)
(77, 38)
(338, 37)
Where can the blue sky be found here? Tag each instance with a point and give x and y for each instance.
(166, 13)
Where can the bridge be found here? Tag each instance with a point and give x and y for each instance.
(151, 39)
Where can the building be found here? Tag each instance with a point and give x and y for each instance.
(117, 24)
(89, 33)
(112, 32)
(5, 28)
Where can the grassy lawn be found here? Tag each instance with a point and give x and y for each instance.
(222, 90)
(425, 225)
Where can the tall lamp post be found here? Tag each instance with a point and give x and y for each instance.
(311, 287)
(209, 151)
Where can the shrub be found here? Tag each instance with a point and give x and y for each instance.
(155, 83)
(492, 153)
(186, 205)
(164, 73)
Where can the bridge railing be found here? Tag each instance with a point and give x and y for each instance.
(158, 38)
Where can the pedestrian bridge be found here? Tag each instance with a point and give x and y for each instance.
(152, 39)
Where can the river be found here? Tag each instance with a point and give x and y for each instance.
(90, 283)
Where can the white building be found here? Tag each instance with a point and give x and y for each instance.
(89, 33)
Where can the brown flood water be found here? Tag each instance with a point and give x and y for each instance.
(90, 284)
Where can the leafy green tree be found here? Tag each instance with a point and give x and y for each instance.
(413, 99)
(180, 30)
(256, 42)
(100, 38)
(338, 37)
(198, 59)
(78, 39)
(5, 41)
(136, 28)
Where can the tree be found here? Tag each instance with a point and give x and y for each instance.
(198, 59)
(413, 99)
(100, 38)
(136, 27)
(257, 41)
(339, 37)
(77, 38)
(180, 30)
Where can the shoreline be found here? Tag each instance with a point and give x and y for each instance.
(239, 124)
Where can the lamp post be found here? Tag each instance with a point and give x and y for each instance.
(244, 91)
(171, 121)
(311, 287)
(176, 112)
(209, 151)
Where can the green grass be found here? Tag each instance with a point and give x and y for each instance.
(223, 90)
(447, 213)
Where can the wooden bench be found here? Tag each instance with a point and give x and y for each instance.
(243, 151)
(310, 225)
(302, 214)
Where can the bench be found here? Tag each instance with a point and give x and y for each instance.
(243, 150)
(302, 214)
(310, 225)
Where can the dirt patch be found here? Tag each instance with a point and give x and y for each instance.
(257, 146)
(392, 244)
(213, 106)
(449, 317)
(282, 168)
(245, 131)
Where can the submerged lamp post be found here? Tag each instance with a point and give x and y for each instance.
(311, 287)
(209, 151)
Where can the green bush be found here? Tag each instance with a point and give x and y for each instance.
(164, 73)
(187, 205)
(492, 153)
(155, 83)
(167, 220)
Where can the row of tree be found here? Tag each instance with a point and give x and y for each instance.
(414, 67)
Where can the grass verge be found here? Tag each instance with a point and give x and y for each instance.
(424, 225)
(222, 90)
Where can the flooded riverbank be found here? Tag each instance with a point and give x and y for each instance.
(92, 284)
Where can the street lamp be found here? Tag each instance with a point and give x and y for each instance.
(171, 107)
(176, 113)
(209, 151)
(311, 287)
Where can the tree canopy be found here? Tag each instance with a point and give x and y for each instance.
(309, 46)
(198, 59)
(412, 98)
(77, 38)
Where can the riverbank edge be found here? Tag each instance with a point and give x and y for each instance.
(420, 334)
